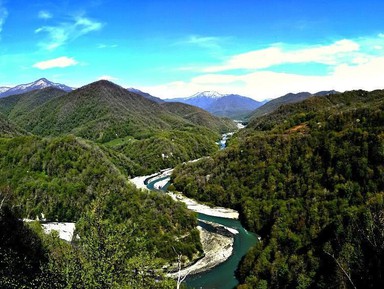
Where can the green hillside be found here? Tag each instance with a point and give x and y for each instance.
(308, 179)
(71, 160)
(289, 98)
(153, 135)
(18, 105)
(101, 111)
(200, 117)
(71, 179)
(8, 129)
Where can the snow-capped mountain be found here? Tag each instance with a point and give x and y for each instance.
(38, 84)
(228, 105)
(209, 94)
(3, 89)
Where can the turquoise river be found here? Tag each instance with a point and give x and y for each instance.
(223, 275)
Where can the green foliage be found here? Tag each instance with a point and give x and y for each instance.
(68, 178)
(310, 183)
(105, 256)
(152, 136)
(102, 111)
(62, 177)
(168, 148)
(21, 252)
(8, 129)
(21, 104)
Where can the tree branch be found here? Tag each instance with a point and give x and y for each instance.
(342, 269)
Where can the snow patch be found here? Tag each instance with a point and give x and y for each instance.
(209, 94)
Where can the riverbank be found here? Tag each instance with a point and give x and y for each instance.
(140, 182)
(218, 239)
(217, 248)
(204, 209)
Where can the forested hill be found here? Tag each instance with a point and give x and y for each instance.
(8, 129)
(199, 116)
(70, 179)
(274, 104)
(71, 160)
(20, 105)
(100, 111)
(153, 135)
(309, 179)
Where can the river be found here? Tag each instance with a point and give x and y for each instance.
(223, 275)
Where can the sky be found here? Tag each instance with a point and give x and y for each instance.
(174, 48)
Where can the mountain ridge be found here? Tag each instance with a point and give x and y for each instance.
(288, 98)
(37, 84)
(145, 94)
(224, 105)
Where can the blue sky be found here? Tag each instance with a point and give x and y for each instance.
(260, 48)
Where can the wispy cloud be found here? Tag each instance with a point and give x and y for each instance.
(45, 14)
(275, 55)
(68, 31)
(213, 45)
(59, 62)
(209, 42)
(103, 46)
(3, 15)
(107, 77)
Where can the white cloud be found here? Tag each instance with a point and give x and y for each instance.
(3, 16)
(350, 64)
(275, 55)
(45, 15)
(107, 77)
(59, 62)
(65, 32)
(260, 85)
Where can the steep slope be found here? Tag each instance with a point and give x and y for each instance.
(70, 179)
(8, 129)
(17, 105)
(225, 105)
(315, 105)
(153, 135)
(38, 84)
(308, 178)
(272, 105)
(199, 116)
(100, 111)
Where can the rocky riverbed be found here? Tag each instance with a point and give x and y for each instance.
(217, 248)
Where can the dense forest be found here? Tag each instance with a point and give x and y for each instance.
(153, 136)
(309, 179)
(68, 157)
(69, 179)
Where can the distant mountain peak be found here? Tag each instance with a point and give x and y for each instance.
(4, 89)
(228, 105)
(208, 93)
(38, 84)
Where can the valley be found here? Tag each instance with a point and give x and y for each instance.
(305, 174)
(224, 239)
